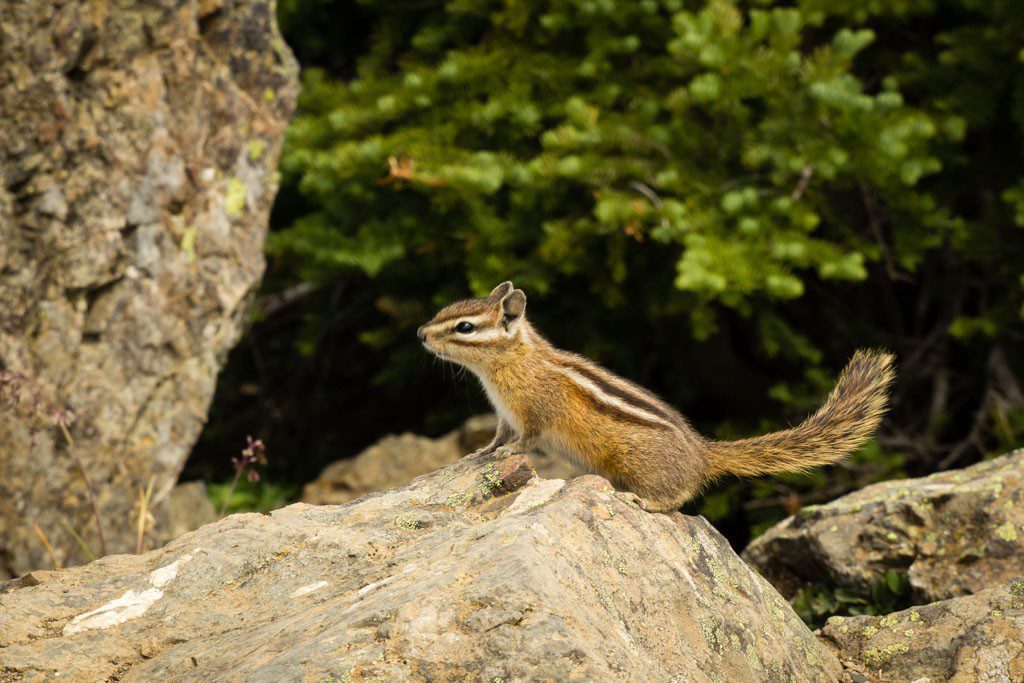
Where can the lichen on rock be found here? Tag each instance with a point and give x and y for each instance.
(974, 638)
(132, 221)
(533, 580)
(953, 533)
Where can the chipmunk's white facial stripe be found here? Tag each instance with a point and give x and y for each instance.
(606, 398)
(479, 336)
(480, 321)
(477, 320)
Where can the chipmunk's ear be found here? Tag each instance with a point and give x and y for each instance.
(502, 290)
(512, 308)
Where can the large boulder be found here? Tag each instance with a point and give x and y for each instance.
(975, 638)
(954, 533)
(398, 459)
(479, 571)
(137, 170)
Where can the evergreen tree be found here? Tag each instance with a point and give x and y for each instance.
(721, 199)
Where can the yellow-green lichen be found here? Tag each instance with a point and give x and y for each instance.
(407, 523)
(234, 198)
(869, 631)
(269, 95)
(915, 615)
(708, 630)
(1007, 532)
(492, 480)
(609, 605)
(457, 500)
(255, 148)
(891, 536)
(888, 622)
(188, 243)
(873, 656)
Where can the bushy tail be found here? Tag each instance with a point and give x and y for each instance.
(849, 417)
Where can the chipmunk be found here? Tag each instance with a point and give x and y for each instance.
(560, 402)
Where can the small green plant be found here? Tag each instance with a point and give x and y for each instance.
(262, 496)
(818, 601)
(254, 453)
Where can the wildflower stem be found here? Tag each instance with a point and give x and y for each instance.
(144, 498)
(231, 492)
(88, 486)
(89, 554)
(46, 544)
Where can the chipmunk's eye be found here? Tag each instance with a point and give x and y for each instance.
(465, 327)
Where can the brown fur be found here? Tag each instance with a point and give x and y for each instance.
(563, 403)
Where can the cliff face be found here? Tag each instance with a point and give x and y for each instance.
(479, 571)
(137, 170)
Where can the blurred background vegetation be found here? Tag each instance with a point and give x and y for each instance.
(720, 200)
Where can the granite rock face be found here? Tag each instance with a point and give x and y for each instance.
(397, 459)
(137, 170)
(953, 533)
(975, 638)
(479, 571)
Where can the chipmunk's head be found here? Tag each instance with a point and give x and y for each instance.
(476, 331)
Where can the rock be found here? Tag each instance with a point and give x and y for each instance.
(186, 508)
(954, 533)
(478, 571)
(137, 169)
(974, 638)
(395, 460)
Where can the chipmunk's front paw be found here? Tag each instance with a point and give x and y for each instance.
(630, 498)
(514, 448)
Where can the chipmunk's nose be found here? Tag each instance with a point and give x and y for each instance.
(421, 333)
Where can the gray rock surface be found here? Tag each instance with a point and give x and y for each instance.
(186, 508)
(954, 533)
(137, 169)
(478, 572)
(975, 638)
(397, 459)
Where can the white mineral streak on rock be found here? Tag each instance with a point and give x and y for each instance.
(133, 604)
(129, 606)
(307, 589)
(536, 493)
